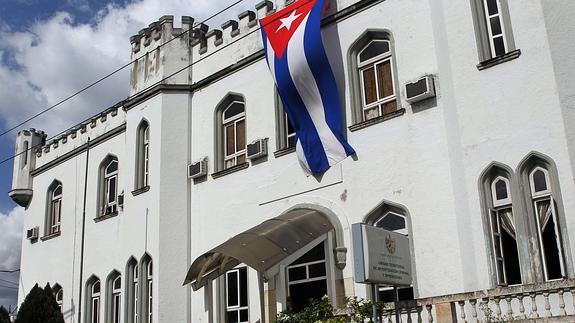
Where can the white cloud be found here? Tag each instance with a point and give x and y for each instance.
(10, 245)
(58, 56)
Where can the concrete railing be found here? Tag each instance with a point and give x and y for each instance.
(546, 302)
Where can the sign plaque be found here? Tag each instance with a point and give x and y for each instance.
(380, 256)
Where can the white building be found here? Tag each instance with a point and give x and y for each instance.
(480, 176)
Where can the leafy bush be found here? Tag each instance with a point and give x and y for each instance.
(40, 306)
(4, 315)
(359, 310)
(315, 311)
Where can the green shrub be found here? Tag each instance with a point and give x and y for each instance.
(39, 306)
(4, 315)
(322, 311)
(315, 311)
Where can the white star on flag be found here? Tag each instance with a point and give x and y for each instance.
(288, 21)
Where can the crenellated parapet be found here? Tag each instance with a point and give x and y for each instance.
(78, 135)
(161, 50)
(234, 40)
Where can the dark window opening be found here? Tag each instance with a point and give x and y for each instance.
(307, 279)
(387, 295)
(512, 269)
(552, 254)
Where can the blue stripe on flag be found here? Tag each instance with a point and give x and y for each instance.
(299, 117)
(323, 74)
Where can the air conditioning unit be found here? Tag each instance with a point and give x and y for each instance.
(257, 149)
(198, 169)
(422, 89)
(32, 234)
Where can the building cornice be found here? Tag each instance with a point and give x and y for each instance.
(80, 149)
(153, 91)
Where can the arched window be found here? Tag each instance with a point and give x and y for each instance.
(149, 280)
(230, 132)
(54, 216)
(93, 300)
(234, 125)
(373, 78)
(59, 295)
(376, 76)
(546, 215)
(146, 289)
(132, 291)
(135, 288)
(109, 186)
(143, 156)
(503, 233)
(499, 223)
(114, 299)
(548, 233)
(492, 28)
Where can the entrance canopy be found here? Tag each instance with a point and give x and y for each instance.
(260, 247)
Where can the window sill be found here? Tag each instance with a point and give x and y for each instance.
(50, 236)
(141, 190)
(230, 170)
(499, 59)
(105, 217)
(283, 152)
(371, 122)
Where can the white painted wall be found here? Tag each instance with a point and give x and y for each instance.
(428, 161)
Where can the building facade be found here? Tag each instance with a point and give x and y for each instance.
(479, 175)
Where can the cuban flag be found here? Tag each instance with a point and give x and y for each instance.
(306, 84)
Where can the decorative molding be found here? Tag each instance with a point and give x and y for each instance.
(98, 140)
(230, 170)
(105, 217)
(141, 190)
(51, 236)
(371, 122)
(283, 152)
(499, 59)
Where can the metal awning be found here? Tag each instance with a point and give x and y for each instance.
(260, 247)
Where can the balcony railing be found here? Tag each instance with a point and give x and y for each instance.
(547, 302)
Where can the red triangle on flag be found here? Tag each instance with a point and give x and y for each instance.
(281, 26)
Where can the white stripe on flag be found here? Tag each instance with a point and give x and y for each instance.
(299, 150)
(271, 56)
(306, 85)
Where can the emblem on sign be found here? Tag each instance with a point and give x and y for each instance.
(390, 244)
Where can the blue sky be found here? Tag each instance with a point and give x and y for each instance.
(49, 49)
(19, 16)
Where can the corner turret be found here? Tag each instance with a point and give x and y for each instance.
(160, 51)
(27, 142)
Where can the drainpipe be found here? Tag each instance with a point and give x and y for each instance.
(83, 232)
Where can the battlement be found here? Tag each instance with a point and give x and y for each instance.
(159, 32)
(32, 132)
(79, 134)
(161, 50)
(232, 30)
